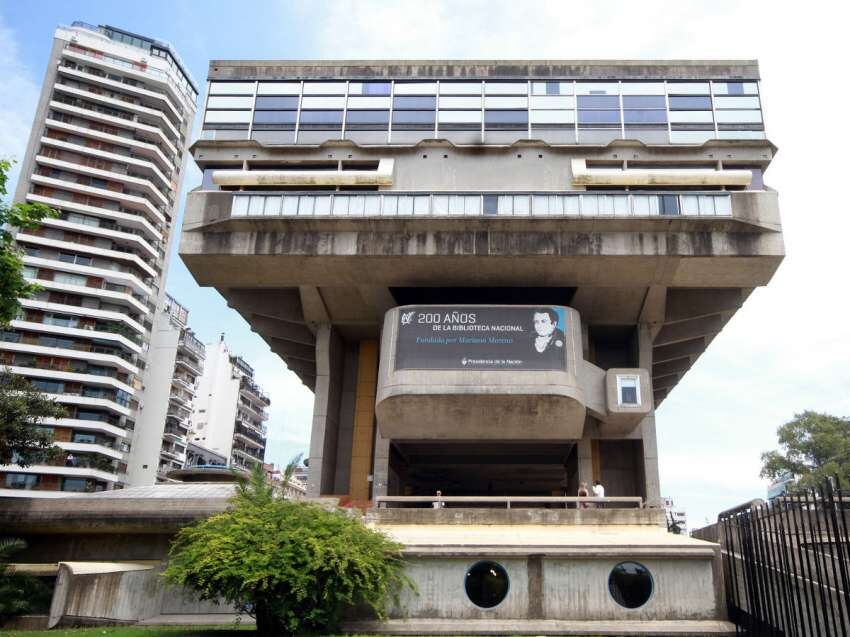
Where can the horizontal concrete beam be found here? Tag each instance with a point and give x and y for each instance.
(665, 382)
(672, 367)
(383, 176)
(273, 328)
(685, 304)
(684, 349)
(290, 350)
(584, 176)
(688, 330)
(279, 303)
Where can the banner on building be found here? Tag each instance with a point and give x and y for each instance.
(482, 338)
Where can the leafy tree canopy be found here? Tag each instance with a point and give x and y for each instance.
(22, 410)
(24, 216)
(813, 447)
(294, 566)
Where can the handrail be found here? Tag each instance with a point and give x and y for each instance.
(382, 500)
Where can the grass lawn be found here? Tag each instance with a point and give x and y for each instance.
(228, 630)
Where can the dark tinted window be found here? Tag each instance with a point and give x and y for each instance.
(599, 117)
(277, 103)
(645, 117)
(630, 584)
(415, 102)
(668, 204)
(598, 101)
(491, 204)
(690, 102)
(274, 117)
(486, 584)
(643, 101)
(376, 88)
(368, 117)
(321, 120)
(506, 119)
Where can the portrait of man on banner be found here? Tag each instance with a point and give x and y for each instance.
(548, 341)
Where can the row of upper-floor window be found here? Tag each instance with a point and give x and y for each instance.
(643, 104)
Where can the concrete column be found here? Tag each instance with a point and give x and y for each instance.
(323, 439)
(647, 426)
(381, 465)
(346, 420)
(363, 438)
(585, 461)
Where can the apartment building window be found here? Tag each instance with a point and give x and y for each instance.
(21, 480)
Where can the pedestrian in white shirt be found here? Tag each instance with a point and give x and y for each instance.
(598, 492)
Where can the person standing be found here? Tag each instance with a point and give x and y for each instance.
(598, 492)
(583, 493)
(438, 503)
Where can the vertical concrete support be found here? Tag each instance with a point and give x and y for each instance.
(346, 420)
(381, 465)
(647, 426)
(323, 439)
(585, 461)
(363, 438)
(596, 460)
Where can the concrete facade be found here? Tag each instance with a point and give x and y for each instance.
(651, 241)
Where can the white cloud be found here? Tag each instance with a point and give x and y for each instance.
(18, 101)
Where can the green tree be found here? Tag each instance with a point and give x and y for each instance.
(294, 566)
(23, 409)
(24, 216)
(813, 447)
(19, 593)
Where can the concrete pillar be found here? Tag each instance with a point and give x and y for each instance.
(585, 461)
(381, 465)
(323, 438)
(647, 426)
(363, 438)
(346, 420)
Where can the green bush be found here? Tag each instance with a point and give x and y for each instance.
(295, 567)
(20, 593)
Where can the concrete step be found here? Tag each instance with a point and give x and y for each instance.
(603, 628)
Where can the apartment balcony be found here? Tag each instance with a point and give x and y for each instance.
(74, 246)
(111, 231)
(100, 335)
(122, 279)
(184, 384)
(82, 424)
(191, 345)
(91, 472)
(133, 303)
(148, 76)
(93, 149)
(190, 364)
(140, 146)
(141, 93)
(171, 454)
(150, 189)
(78, 400)
(129, 218)
(114, 102)
(247, 456)
(144, 132)
(175, 434)
(75, 310)
(56, 373)
(39, 350)
(107, 450)
(134, 202)
(249, 436)
(253, 391)
(258, 412)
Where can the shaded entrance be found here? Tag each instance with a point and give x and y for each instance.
(481, 468)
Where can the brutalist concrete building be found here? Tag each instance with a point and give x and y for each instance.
(491, 273)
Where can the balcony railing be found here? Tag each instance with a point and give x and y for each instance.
(536, 204)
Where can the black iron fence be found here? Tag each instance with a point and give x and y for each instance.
(787, 563)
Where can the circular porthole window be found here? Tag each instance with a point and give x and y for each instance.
(486, 584)
(630, 584)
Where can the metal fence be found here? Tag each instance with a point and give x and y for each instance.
(787, 563)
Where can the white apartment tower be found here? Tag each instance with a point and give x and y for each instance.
(107, 151)
(230, 409)
(175, 363)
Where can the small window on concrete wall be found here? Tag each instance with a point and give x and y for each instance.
(628, 390)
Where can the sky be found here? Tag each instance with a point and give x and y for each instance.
(785, 351)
